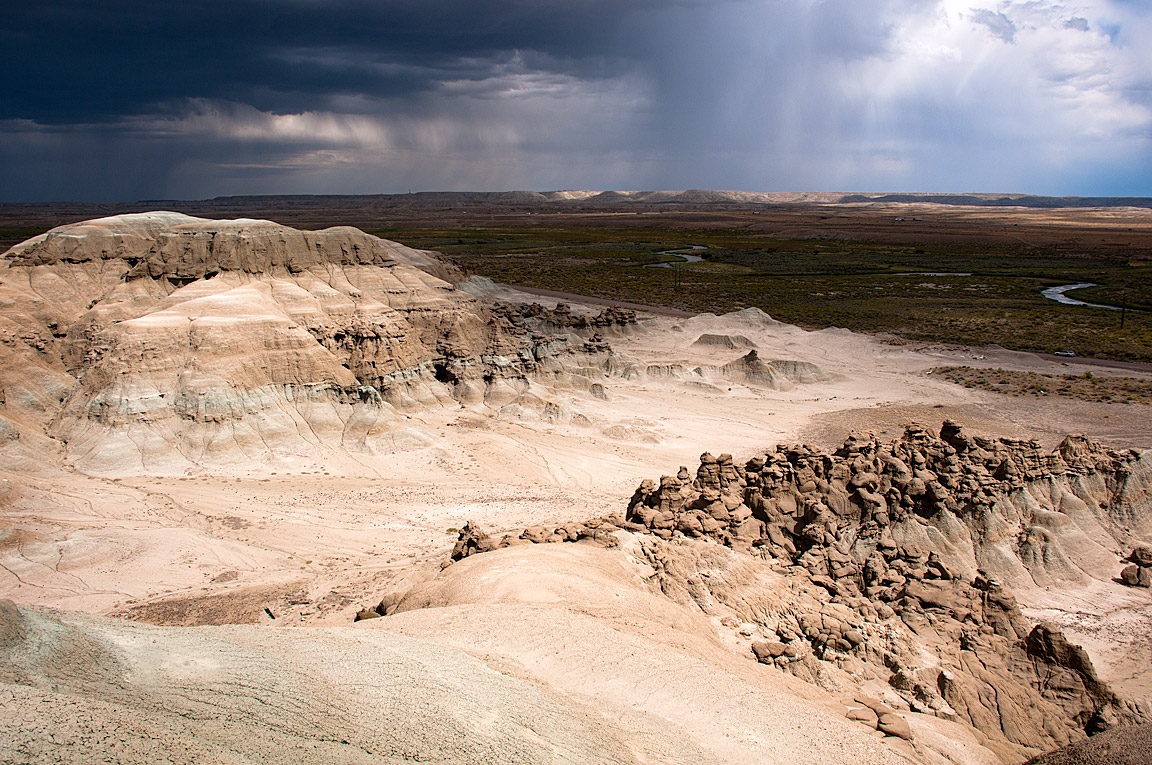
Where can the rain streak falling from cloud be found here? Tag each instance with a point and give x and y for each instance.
(125, 101)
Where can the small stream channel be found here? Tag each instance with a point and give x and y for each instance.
(682, 252)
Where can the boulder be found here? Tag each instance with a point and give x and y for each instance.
(894, 725)
(536, 534)
(865, 715)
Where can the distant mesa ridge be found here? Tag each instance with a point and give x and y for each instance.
(572, 200)
(999, 200)
(588, 198)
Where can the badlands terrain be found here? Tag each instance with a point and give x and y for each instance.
(570, 533)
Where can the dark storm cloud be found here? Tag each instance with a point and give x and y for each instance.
(121, 100)
(72, 61)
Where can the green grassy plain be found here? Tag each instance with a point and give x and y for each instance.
(933, 292)
(10, 237)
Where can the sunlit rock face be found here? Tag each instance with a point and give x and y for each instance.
(898, 562)
(157, 339)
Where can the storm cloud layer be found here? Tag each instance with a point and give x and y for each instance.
(129, 100)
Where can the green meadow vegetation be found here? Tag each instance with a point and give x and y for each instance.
(10, 237)
(931, 292)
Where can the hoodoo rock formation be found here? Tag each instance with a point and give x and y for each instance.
(1139, 574)
(901, 560)
(1031, 518)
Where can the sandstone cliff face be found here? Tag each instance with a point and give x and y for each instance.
(157, 339)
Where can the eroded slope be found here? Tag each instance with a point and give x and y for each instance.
(155, 341)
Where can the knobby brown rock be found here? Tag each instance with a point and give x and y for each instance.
(1139, 574)
(875, 533)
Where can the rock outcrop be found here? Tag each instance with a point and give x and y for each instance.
(749, 369)
(182, 249)
(1139, 574)
(901, 557)
(1027, 516)
(611, 320)
(724, 341)
(158, 340)
(164, 339)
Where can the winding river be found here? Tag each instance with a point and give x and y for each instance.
(1052, 293)
(682, 252)
(1057, 294)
